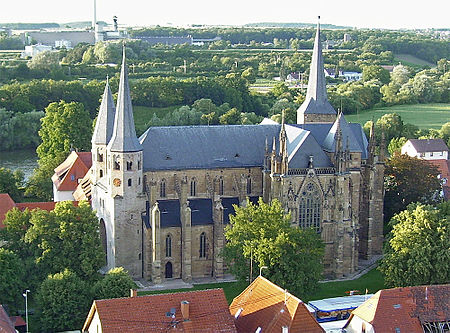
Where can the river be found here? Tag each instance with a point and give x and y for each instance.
(25, 160)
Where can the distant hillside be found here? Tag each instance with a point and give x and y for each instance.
(81, 25)
(29, 26)
(293, 25)
(36, 26)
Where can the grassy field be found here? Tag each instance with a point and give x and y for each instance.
(373, 281)
(422, 115)
(143, 114)
(408, 59)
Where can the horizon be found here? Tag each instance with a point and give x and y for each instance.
(397, 15)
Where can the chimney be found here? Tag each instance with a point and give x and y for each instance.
(133, 292)
(185, 310)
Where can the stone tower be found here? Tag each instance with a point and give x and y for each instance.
(102, 134)
(119, 197)
(316, 108)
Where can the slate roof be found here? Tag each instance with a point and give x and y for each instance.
(208, 312)
(169, 213)
(301, 145)
(428, 145)
(201, 211)
(105, 119)
(124, 134)
(348, 136)
(316, 100)
(227, 204)
(405, 308)
(269, 307)
(204, 147)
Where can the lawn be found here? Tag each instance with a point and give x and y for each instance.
(373, 281)
(424, 116)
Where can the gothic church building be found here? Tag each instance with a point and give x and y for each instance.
(163, 199)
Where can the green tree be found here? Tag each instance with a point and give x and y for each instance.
(262, 233)
(116, 283)
(11, 279)
(374, 72)
(67, 237)
(64, 300)
(396, 144)
(418, 251)
(11, 183)
(406, 180)
(65, 126)
(232, 117)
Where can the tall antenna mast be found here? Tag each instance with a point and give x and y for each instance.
(94, 21)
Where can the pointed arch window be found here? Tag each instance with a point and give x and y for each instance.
(162, 188)
(168, 246)
(202, 245)
(249, 185)
(129, 166)
(193, 187)
(310, 209)
(221, 186)
(116, 163)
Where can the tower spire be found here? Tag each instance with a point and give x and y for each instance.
(124, 137)
(105, 120)
(316, 101)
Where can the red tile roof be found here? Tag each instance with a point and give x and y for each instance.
(405, 308)
(6, 325)
(208, 312)
(6, 204)
(444, 170)
(268, 306)
(18, 321)
(68, 173)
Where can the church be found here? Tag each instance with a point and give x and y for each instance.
(163, 199)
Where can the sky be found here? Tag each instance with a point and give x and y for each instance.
(389, 14)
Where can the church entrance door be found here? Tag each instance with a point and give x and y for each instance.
(168, 270)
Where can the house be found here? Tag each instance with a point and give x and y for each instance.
(336, 308)
(69, 173)
(265, 307)
(194, 311)
(163, 199)
(7, 203)
(408, 309)
(426, 149)
(6, 325)
(350, 76)
(444, 175)
(435, 151)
